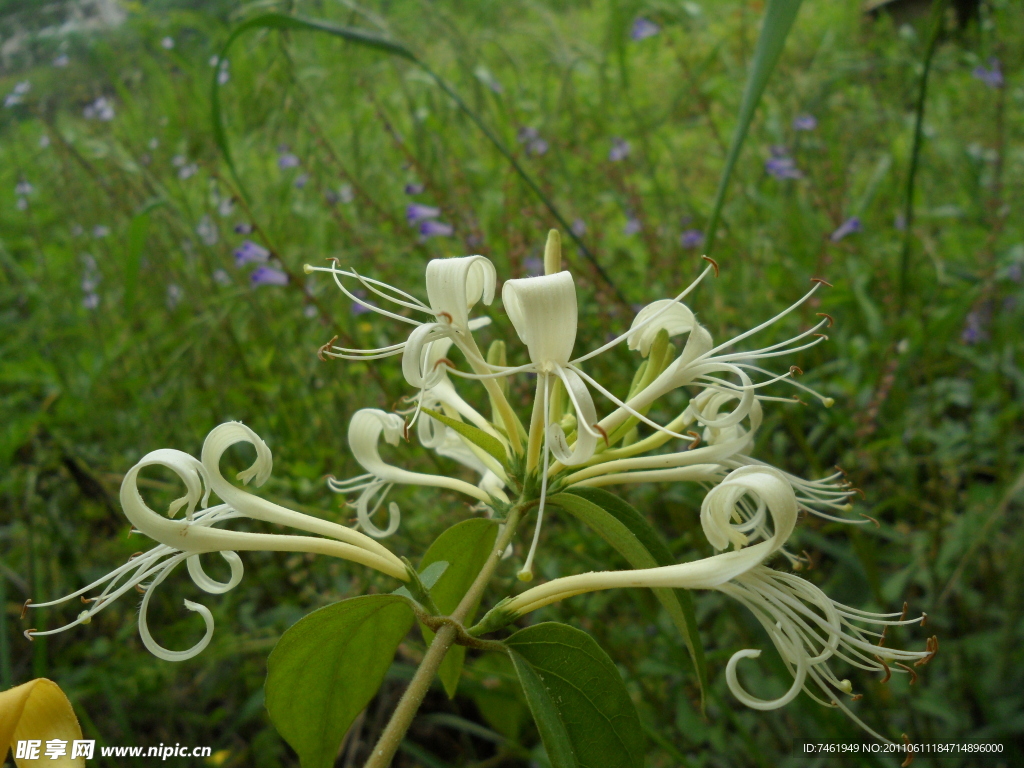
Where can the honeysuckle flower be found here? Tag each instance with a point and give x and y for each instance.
(185, 540)
(367, 427)
(807, 628)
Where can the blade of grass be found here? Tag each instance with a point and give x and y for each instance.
(935, 21)
(284, 22)
(778, 20)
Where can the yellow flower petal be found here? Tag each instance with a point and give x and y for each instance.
(39, 710)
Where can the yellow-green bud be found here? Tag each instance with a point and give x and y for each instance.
(553, 253)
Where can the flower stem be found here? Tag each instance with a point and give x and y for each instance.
(386, 747)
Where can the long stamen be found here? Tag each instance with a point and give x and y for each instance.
(526, 574)
(308, 268)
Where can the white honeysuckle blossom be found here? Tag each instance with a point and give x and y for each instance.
(807, 628)
(567, 443)
(365, 430)
(187, 539)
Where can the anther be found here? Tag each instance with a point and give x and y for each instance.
(903, 615)
(603, 432)
(910, 752)
(809, 559)
(796, 399)
(405, 431)
(28, 633)
(24, 608)
(868, 517)
(822, 335)
(888, 672)
(932, 646)
(823, 282)
(795, 370)
(924, 618)
(712, 262)
(444, 361)
(913, 674)
(140, 589)
(840, 470)
(88, 600)
(881, 640)
(858, 490)
(323, 350)
(696, 440)
(137, 554)
(827, 316)
(857, 697)
(446, 316)
(334, 261)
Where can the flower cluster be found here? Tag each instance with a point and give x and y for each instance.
(748, 514)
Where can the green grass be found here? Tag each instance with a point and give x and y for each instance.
(927, 424)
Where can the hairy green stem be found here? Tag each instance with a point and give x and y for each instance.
(386, 747)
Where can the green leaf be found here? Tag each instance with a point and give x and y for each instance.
(327, 667)
(498, 695)
(628, 531)
(465, 547)
(577, 697)
(475, 435)
(778, 20)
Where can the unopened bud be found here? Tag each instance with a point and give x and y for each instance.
(553, 253)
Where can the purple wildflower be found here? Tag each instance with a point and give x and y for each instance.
(268, 276)
(619, 151)
(346, 194)
(207, 231)
(101, 109)
(301, 180)
(992, 77)
(310, 311)
(530, 136)
(24, 188)
(22, 204)
(188, 171)
(221, 278)
(975, 326)
(414, 189)
(430, 228)
(243, 228)
(691, 238)
(167, 43)
(416, 213)
(900, 222)
(249, 252)
(579, 227)
(1015, 272)
(91, 300)
(533, 266)
(61, 61)
(288, 160)
(848, 227)
(782, 167)
(632, 227)
(100, 230)
(805, 123)
(643, 28)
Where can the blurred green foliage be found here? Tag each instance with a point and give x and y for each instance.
(127, 327)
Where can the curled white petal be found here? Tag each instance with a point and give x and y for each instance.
(763, 704)
(544, 313)
(147, 639)
(672, 316)
(766, 484)
(586, 416)
(208, 584)
(455, 285)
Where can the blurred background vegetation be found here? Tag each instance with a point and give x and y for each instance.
(126, 325)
